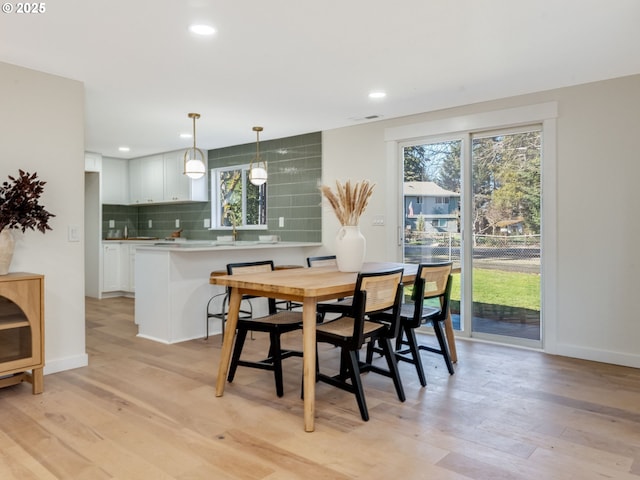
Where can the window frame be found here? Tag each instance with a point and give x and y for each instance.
(461, 127)
(217, 201)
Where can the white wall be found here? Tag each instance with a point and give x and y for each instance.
(595, 304)
(42, 130)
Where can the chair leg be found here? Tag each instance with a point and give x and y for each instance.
(237, 349)
(415, 353)
(389, 354)
(356, 382)
(223, 317)
(399, 339)
(370, 351)
(444, 348)
(276, 356)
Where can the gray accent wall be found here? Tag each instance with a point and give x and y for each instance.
(294, 165)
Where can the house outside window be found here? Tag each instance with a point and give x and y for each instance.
(429, 206)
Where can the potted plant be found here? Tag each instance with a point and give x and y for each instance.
(349, 203)
(19, 209)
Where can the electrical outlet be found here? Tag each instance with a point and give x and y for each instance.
(177, 223)
(150, 223)
(207, 223)
(112, 223)
(281, 222)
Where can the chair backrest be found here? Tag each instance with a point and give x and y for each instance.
(254, 267)
(433, 281)
(324, 261)
(250, 267)
(377, 296)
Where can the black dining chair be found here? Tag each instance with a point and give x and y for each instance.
(374, 318)
(276, 323)
(430, 304)
(341, 306)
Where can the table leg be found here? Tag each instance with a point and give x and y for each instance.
(227, 344)
(451, 339)
(309, 361)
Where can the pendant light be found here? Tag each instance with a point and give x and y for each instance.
(257, 168)
(194, 163)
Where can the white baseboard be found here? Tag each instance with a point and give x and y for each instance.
(61, 364)
(604, 356)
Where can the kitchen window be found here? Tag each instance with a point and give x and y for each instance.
(236, 202)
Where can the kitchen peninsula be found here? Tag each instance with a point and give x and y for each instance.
(172, 282)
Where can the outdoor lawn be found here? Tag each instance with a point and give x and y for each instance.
(513, 289)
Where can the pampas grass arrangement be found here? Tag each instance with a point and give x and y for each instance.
(349, 202)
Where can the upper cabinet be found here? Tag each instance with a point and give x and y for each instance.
(92, 162)
(150, 180)
(177, 186)
(146, 180)
(115, 181)
(160, 179)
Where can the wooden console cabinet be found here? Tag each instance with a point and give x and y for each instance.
(22, 330)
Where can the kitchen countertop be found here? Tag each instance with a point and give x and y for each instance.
(212, 245)
(132, 239)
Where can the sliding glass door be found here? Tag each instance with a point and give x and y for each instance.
(506, 235)
(432, 201)
(499, 203)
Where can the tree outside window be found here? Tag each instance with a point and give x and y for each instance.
(235, 201)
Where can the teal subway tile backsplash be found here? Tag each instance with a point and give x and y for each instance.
(294, 165)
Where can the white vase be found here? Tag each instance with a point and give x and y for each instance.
(7, 243)
(350, 249)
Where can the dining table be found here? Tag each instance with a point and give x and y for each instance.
(306, 286)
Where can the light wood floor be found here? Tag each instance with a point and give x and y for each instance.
(143, 410)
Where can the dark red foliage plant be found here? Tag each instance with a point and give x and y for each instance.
(19, 207)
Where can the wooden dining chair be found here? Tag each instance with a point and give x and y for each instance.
(374, 318)
(430, 304)
(275, 324)
(341, 306)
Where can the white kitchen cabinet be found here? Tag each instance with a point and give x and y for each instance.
(92, 162)
(118, 267)
(111, 267)
(177, 186)
(115, 181)
(160, 179)
(131, 268)
(146, 180)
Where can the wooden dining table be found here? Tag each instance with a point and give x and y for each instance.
(306, 286)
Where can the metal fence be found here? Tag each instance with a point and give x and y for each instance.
(514, 252)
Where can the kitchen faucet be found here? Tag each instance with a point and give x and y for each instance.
(231, 216)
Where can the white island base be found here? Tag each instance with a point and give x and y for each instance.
(172, 284)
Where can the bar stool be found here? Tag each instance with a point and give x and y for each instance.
(246, 314)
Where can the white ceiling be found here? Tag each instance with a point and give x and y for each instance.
(297, 66)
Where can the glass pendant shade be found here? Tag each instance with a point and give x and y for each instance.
(258, 176)
(194, 164)
(258, 168)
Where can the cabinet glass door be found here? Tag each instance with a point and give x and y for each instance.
(15, 332)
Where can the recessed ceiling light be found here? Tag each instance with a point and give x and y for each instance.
(202, 29)
(185, 135)
(377, 94)
(124, 149)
